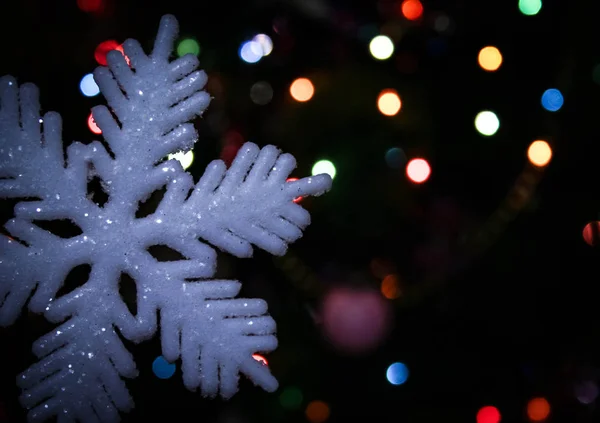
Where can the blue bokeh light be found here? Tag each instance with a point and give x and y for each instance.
(395, 158)
(397, 373)
(251, 52)
(552, 100)
(162, 368)
(88, 86)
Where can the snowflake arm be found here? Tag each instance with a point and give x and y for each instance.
(152, 100)
(251, 202)
(216, 337)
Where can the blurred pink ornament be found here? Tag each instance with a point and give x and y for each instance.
(355, 320)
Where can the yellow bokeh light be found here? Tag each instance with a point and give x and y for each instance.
(539, 153)
(490, 58)
(302, 89)
(185, 158)
(389, 102)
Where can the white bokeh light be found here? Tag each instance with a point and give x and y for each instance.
(265, 42)
(88, 86)
(185, 159)
(251, 52)
(324, 166)
(381, 47)
(487, 123)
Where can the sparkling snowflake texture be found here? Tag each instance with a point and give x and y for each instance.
(83, 362)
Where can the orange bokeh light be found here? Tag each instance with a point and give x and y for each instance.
(122, 50)
(260, 358)
(390, 287)
(418, 170)
(317, 412)
(389, 102)
(412, 9)
(538, 409)
(302, 89)
(489, 58)
(539, 153)
(93, 126)
(297, 199)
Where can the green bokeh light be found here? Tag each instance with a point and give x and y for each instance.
(291, 398)
(188, 46)
(596, 74)
(530, 7)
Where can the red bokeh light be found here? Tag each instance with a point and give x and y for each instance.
(90, 5)
(93, 126)
(488, 414)
(591, 233)
(102, 50)
(418, 170)
(297, 199)
(412, 9)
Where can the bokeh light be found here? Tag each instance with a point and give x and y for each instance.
(188, 46)
(395, 158)
(591, 233)
(297, 199)
(418, 170)
(390, 287)
(265, 42)
(487, 123)
(251, 52)
(530, 7)
(389, 102)
(538, 409)
(381, 47)
(260, 359)
(102, 50)
(162, 368)
(488, 414)
(442, 23)
(92, 125)
(317, 412)
(552, 100)
(324, 166)
(586, 392)
(90, 6)
(412, 9)
(88, 86)
(122, 50)
(261, 93)
(397, 373)
(596, 74)
(355, 320)
(539, 153)
(490, 58)
(185, 158)
(291, 398)
(302, 89)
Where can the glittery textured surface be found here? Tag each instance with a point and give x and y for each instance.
(83, 362)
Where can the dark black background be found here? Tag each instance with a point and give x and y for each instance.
(516, 320)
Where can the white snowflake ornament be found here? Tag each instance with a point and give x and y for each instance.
(82, 362)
